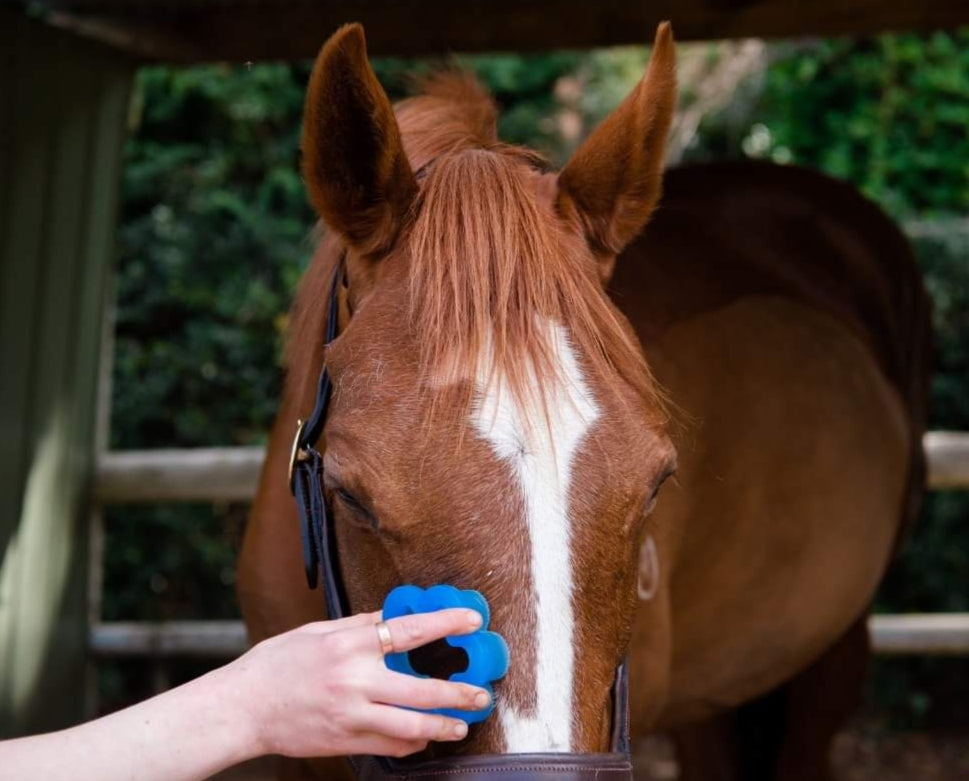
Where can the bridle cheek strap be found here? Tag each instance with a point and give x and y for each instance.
(320, 558)
(306, 479)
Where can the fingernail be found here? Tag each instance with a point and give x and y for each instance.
(460, 729)
(474, 618)
(482, 699)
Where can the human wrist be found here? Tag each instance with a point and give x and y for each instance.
(235, 715)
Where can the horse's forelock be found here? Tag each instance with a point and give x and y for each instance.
(453, 112)
(492, 266)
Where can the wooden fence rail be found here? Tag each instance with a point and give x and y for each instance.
(941, 634)
(188, 475)
(231, 473)
(219, 639)
(922, 634)
(948, 457)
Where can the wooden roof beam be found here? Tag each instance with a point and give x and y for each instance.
(253, 30)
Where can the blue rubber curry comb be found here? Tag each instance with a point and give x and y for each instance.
(487, 651)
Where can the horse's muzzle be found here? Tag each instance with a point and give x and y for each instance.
(616, 765)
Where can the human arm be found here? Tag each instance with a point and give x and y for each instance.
(319, 690)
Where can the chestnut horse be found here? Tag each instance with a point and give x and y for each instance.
(495, 423)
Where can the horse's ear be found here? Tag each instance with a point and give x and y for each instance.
(613, 181)
(354, 165)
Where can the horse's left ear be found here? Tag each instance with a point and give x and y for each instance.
(613, 181)
(354, 164)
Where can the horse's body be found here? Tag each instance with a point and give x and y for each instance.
(785, 318)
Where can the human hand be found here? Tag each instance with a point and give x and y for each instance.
(323, 689)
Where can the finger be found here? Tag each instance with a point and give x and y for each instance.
(408, 632)
(427, 693)
(411, 725)
(350, 622)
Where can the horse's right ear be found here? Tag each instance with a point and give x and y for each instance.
(354, 165)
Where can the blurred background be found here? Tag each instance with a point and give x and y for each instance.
(213, 235)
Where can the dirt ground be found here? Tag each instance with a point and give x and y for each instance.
(860, 754)
(863, 753)
(909, 756)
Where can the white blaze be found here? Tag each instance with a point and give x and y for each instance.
(541, 458)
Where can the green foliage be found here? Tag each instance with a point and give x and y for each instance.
(172, 562)
(945, 263)
(889, 114)
(214, 236)
(213, 239)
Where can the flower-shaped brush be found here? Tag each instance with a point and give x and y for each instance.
(487, 651)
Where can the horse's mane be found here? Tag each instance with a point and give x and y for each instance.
(490, 267)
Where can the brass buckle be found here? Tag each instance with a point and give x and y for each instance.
(295, 454)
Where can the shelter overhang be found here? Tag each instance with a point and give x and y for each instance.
(253, 30)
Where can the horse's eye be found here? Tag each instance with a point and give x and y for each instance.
(356, 506)
(651, 503)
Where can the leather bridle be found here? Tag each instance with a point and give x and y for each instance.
(320, 557)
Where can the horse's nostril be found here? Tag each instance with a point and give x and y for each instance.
(439, 660)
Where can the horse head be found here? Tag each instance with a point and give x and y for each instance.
(494, 424)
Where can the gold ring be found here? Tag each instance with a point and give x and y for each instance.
(385, 638)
